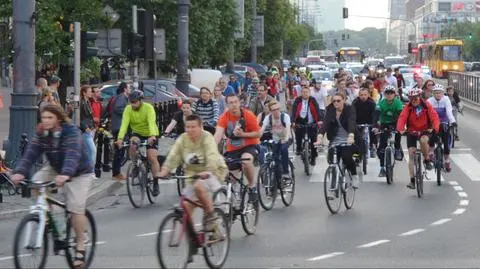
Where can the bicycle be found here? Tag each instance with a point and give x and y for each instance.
(41, 215)
(417, 164)
(185, 230)
(454, 129)
(235, 200)
(179, 171)
(306, 153)
(364, 145)
(270, 180)
(338, 182)
(438, 152)
(389, 156)
(138, 174)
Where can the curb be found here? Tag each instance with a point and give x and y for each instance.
(106, 189)
(470, 105)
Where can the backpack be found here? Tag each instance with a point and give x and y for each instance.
(282, 119)
(428, 116)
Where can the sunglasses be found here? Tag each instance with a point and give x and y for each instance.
(389, 92)
(430, 84)
(337, 100)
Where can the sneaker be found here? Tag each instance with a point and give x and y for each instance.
(210, 223)
(355, 181)
(382, 173)
(252, 195)
(286, 175)
(373, 153)
(448, 168)
(106, 168)
(313, 162)
(398, 155)
(457, 138)
(411, 185)
(428, 165)
(156, 188)
(119, 177)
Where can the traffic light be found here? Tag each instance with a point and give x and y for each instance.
(136, 46)
(345, 13)
(343, 36)
(87, 51)
(409, 47)
(470, 36)
(146, 28)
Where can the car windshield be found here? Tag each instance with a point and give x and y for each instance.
(390, 61)
(322, 75)
(451, 53)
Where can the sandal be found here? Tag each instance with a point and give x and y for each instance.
(79, 262)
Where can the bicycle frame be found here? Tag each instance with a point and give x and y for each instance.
(187, 225)
(365, 137)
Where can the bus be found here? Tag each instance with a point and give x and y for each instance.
(350, 54)
(441, 56)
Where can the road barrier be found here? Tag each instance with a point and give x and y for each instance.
(466, 84)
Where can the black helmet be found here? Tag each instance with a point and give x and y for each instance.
(135, 96)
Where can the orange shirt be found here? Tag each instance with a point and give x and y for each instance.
(229, 121)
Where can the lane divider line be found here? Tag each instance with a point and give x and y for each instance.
(149, 234)
(453, 183)
(325, 256)
(458, 188)
(374, 243)
(11, 257)
(464, 202)
(412, 232)
(459, 211)
(440, 222)
(462, 194)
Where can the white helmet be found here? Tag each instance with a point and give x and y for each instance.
(438, 88)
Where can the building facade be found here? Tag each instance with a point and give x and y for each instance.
(330, 18)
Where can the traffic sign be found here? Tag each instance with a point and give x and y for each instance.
(110, 45)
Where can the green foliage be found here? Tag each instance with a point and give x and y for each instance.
(371, 40)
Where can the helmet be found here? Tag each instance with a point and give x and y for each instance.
(415, 92)
(390, 88)
(438, 88)
(135, 96)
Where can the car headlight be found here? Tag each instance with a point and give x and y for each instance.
(445, 66)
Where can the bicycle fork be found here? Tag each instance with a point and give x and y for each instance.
(39, 209)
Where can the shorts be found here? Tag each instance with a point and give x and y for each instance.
(237, 154)
(412, 140)
(211, 184)
(154, 146)
(76, 191)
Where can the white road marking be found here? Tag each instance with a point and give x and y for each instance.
(453, 183)
(459, 211)
(326, 256)
(440, 222)
(11, 257)
(468, 164)
(374, 243)
(464, 202)
(412, 232)
(462, 194)
(458, 188)
(100, 243)
(149, 234)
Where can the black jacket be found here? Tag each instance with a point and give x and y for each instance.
(365, 111)
(347, 119)
(86, 116)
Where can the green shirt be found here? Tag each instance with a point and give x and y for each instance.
(389, 112)
(205, 149)
(141, 121)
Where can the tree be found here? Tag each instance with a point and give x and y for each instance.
(370, 40)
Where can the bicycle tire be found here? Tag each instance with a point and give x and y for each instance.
(452, 134)
(287, 201)
(439, 164)
(149, 186)
(306, 158)
(329, 175)
(132, 173)
(244, 218)
(18, 241)
(162, 232)
(206, 255)
(388, 165)
(180, 181)
(364, 158)
(69, 255)
(348, 200)
(418, 174)
(226, 206)
(265, 179)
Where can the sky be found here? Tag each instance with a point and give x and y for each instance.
(376, 8)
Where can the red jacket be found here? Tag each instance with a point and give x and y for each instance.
(428, 118)
(272, 84)
(96, 109)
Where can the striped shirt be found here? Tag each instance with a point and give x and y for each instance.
(208, 112)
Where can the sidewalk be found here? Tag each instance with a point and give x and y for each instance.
(14, 206)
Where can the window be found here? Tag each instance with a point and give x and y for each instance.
(444, 6)
(451, 53)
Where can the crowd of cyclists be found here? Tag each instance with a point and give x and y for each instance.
(242, 116)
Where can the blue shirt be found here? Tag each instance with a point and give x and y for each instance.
(235, 85)
(228, 91)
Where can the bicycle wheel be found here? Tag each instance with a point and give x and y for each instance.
(348, 192)
(220, 200)
(89, 240)
(418, 174)
(267, 187)
(287, 189)
(218, 242)
(149, 185)
(306, 158)
(125, 157)
(364, 158)
(180, 181)
(173, 244)
(30, 224)
(438, 164)
(331, 190)
(250, 213)
(451, 138)
(388, 165)
(135, 186)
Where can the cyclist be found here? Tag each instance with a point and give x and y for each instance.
(267, 131)
(305, 111)
(428, 89)
(63, 146)
(365, 111)
(279, 123)
(389, 108)
(140, 118)
(456, 105)
(197, 151)
(257, 105)
(420, 118)
(178, 119)
(441, 103)
(240, 127)
(207, 109)
(340, 126)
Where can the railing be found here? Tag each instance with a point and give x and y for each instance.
(466, 84)
(165, 111)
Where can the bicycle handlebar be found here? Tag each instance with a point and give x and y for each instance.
(236, 160)
(39, 185)
(143, 143)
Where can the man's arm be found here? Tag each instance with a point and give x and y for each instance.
(151, 118)
(125, 123)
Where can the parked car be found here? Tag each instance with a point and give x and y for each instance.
(151, 95)
(170, 86)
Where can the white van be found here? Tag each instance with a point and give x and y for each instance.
(204, 77)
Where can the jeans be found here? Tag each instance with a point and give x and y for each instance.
(384, 140)
(102, 147)
(117, 158)
(88, 138)
(280, 153)
(346, 154)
